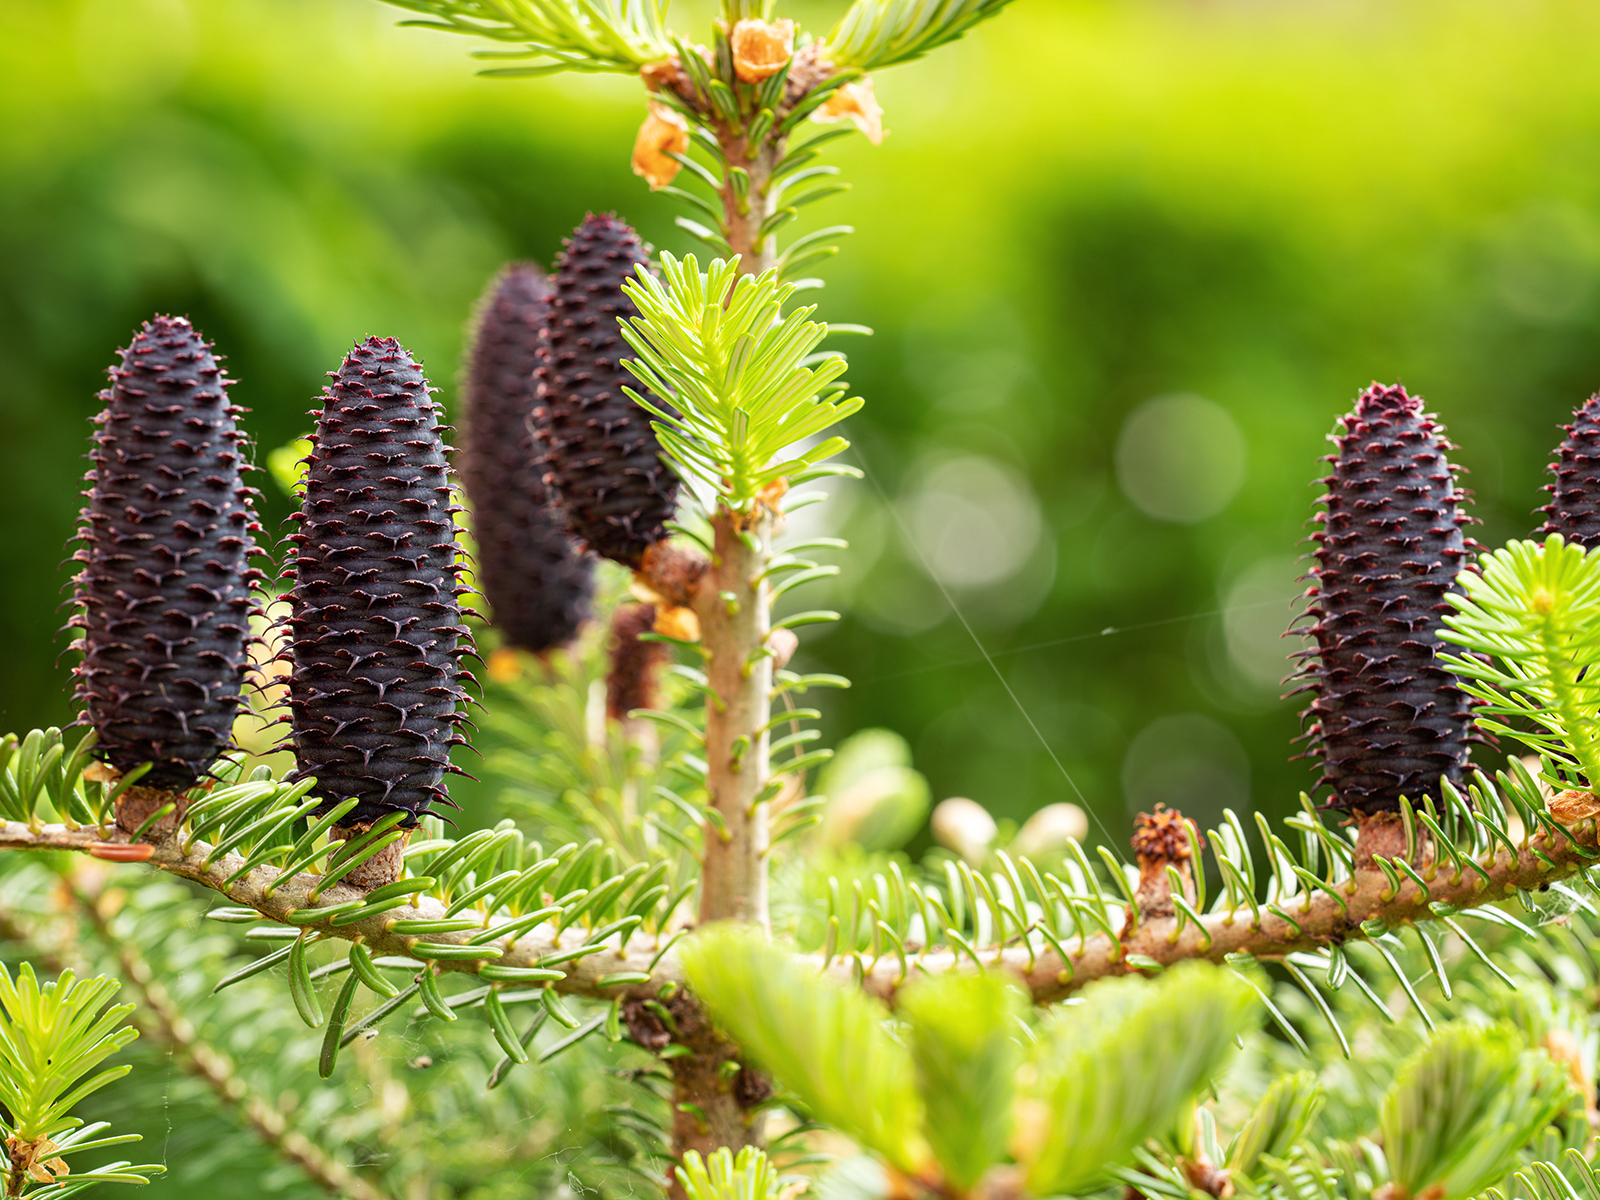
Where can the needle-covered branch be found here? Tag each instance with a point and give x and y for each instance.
(557, 36)
(1444, 878)
(599, 972)
(1368, 904)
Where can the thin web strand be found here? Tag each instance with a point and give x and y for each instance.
(1108, 631)
(988, 658)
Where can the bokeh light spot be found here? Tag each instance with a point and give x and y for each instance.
(1180, 458)
(1257, 610)
(975, 521)
(1188, 762)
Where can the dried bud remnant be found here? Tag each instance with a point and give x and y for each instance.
(1571, 807)
(375, 610)
(602, 455)
(166, 538)
(537, 583)
(1574, 508)
(855, 102)
(760, 48)
(1161, 840)
(663, 134)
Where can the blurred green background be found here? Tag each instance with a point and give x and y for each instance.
(1126, 261)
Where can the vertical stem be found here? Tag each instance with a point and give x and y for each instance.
(716, 1098)
(744, 217)
(735, 618)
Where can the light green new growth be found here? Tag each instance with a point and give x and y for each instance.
(827, 1043)
(1535, 610)
(881, 33)
(51, 1037)
(1279, 1122)
(1120, 1067)
(1544, 1179)
(963, 1035)
(716, 347)
(1106, 1074)
(586, 35)
(1461, 1108)
(624, 35)
(723, 1177)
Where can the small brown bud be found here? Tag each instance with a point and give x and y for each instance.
(1161, 837)
(783, 643)
(760, 48)
(663, 134)
(669, 574)
(855, 102)
(1161, 840)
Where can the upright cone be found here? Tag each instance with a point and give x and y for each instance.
(375, 614)
(1387, 719)
(1574, 508)
(539, 586)
(634, 667)
(165, 590)
(603, 458)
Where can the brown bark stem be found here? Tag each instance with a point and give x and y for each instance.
(743, 217)
(713, 1106)
(713, 1103)
(734, 608)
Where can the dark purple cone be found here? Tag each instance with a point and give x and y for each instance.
(375, 614)
(601, 453)
(1387, 720)
(634, 667)
(537, 583)
(166, 542)
(1574, 508)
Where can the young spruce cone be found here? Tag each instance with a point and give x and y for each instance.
(166, 540)
(537, 584)
(1387, 720)
(375, 615)
(633, 675)
(602, 454)
(1574, 508)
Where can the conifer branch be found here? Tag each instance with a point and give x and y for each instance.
(159, 1018)
(1367, 905)
(1441, 880)
(279, 898)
